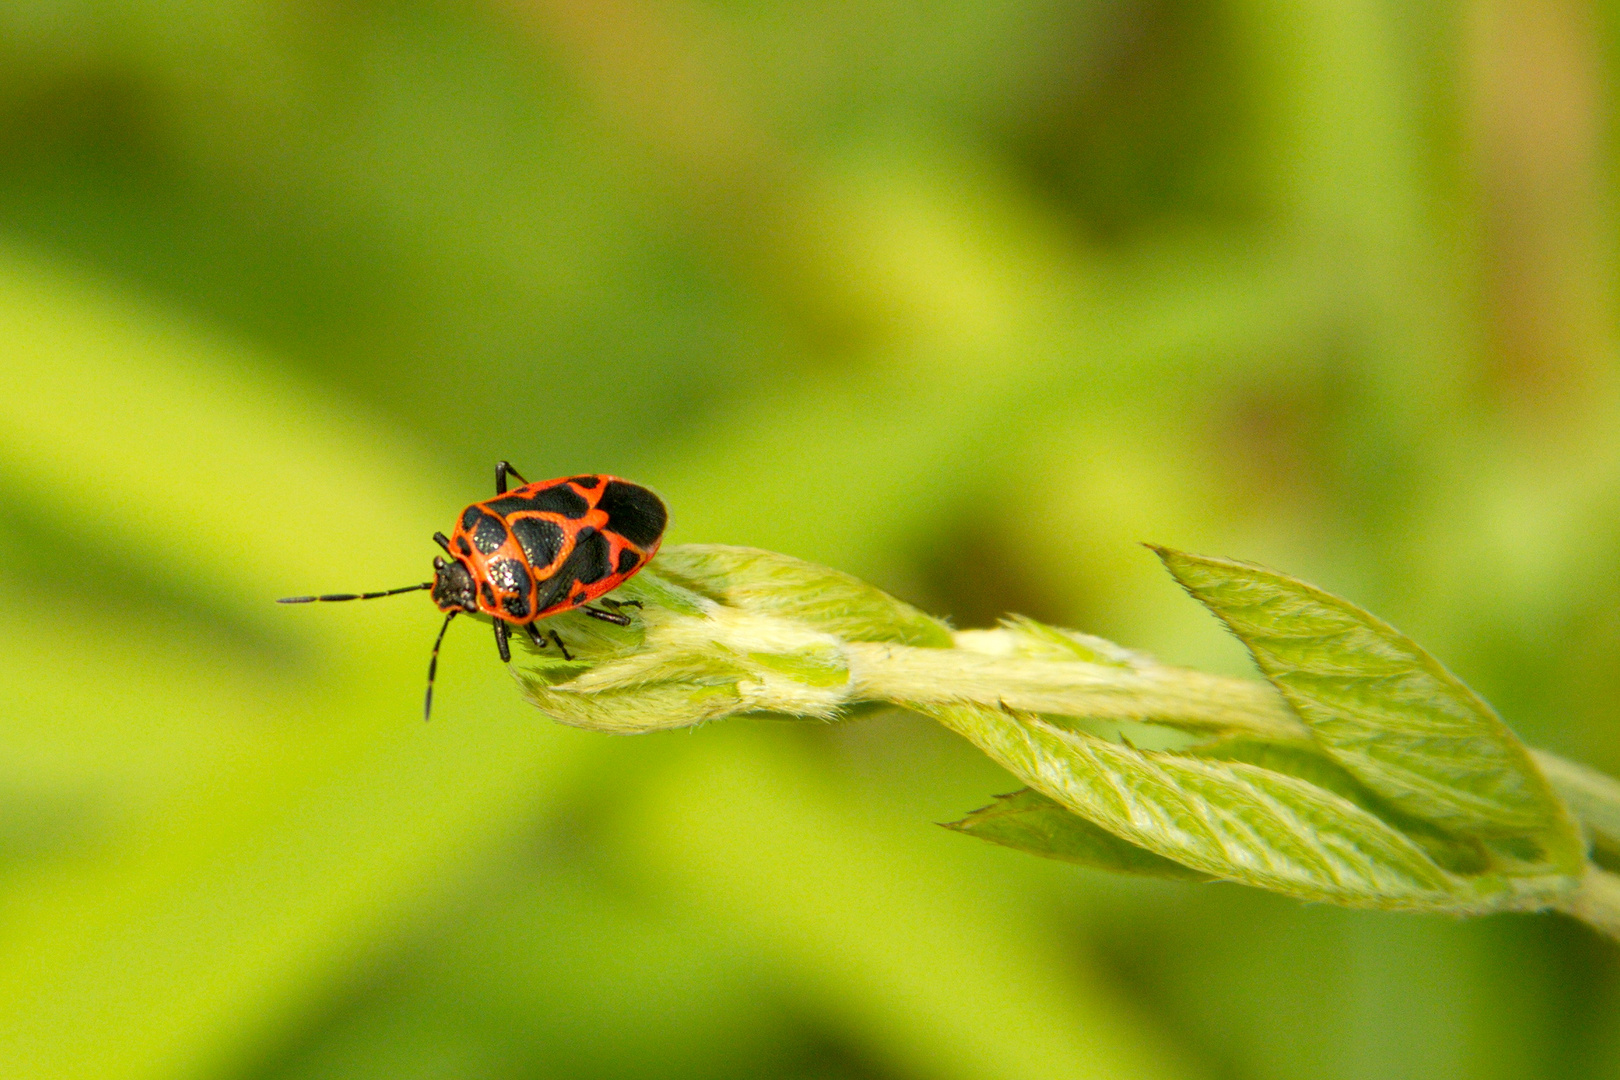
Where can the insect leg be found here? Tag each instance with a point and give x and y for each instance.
(560, 645)
(503, 469)
(615, 617)
(617, 604)
(444, 542)
(433, 668)
(500, 641)
(540, 639)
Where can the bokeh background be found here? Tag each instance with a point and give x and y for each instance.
(965, 298)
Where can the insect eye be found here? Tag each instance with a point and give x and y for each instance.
(438, 563)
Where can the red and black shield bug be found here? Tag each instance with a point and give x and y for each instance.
(537, 550)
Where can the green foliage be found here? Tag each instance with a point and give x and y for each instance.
(1225, 819)
(828, 600)
(1032, 822)
(1453, 816)
(964, 298)
(1383, 708)
(1593, 796)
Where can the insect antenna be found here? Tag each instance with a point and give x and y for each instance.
(433, 666)
(330, 597)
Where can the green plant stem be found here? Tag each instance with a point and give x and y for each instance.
(1149, 694)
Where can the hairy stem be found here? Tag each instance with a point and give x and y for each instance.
(1154, 694)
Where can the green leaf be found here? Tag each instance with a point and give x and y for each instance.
(653, 706)
(1230, 820)
(1308, 762)
(1053, 642)
(1592, 796)
(828, 600)
(670, 669)
(821, 666)
(1384, 708)
(1031, 822)
(653, 589)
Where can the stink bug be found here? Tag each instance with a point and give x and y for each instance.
(534, 551)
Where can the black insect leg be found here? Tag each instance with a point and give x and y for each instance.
(503, 469)
(560, 646)
(500, 641)
(617, 604)
(539, 639)
(433, 668)
(615, 617)
(444, 542)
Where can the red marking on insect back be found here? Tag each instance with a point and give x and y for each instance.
(554, 545)
(535, 551)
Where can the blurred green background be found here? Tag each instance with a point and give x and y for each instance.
(965, 298)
